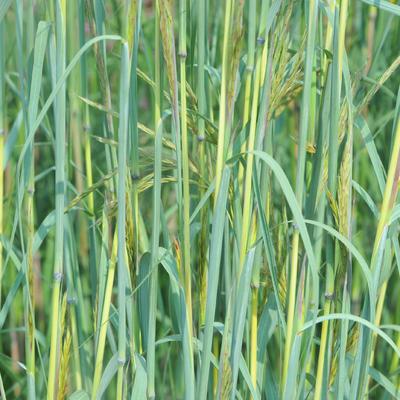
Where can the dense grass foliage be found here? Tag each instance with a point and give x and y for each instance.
(198, 199)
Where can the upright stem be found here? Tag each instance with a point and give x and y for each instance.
(339, 35)
(39, 52)
(189, 370)
(249, 163)
(328, 41)
(121, 217)
(104, 318)
(156, 212)
(223, 103)
(96, 24)
(133, 17)
(76, 142)
(247, 214)
(301, 158)
(59, 200)
(202, 107)
(185, 164)
(249, 72)
(86, 132)
(86, 114)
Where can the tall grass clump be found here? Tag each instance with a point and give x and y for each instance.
(199, 199)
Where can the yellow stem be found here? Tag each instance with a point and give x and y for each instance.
(104, 318)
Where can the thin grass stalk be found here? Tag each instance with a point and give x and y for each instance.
(121, 217)
(29, 298)
(264, 141)
(339, 35)
(265, 9)
(19, 16)
(202, 107)
(301, 157)
(379, 309)
(133, 25)
(75, 122)
(250, 68)
(85, 112)
(69, 331)
(328, 40)
(59, 199)
(151, 394)
(74, 294)
(96, 24)
(20, 30)
(247, 210)
(104, 318)
(255, 119)
(316, 202)
(249, 164)
(76, 348)
(319, 210)
(87, 149)
(19, 224)
(39, 52)
(189, 368)
(75, 127)
(65, 346)
(134, 19)
(222, 122)
(251, 51)
(185, 167)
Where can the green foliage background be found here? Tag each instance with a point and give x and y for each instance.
(198, 199)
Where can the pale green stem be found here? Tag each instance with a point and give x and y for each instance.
(223, 97)
(59, 213)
